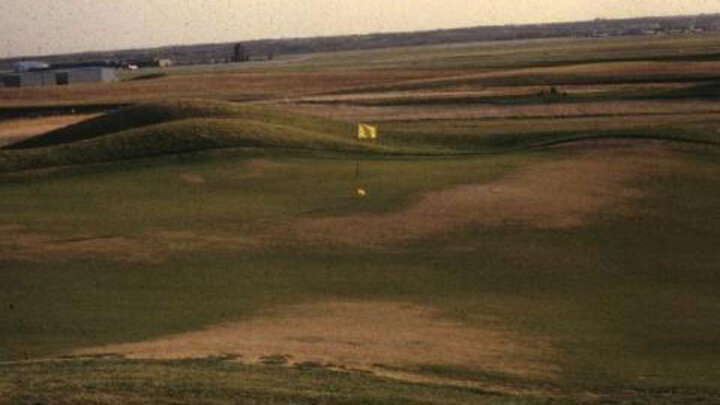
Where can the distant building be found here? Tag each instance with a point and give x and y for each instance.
(86, 64)
(28, 66)
(163, 63)
(60, 77)
(146, 63)
(86, 75)
(30, 79)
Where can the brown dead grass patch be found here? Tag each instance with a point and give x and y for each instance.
(18, 243)
(599, 70)
(468, 91)
(251, 168)
(259, 167)
(234, 85)
(567, 193)
(193, 178)
(552, 195)
(484, 111)
(356, 335)
(18, 129)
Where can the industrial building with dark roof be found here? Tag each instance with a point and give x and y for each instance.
(61, 77)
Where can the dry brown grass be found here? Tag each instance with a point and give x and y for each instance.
(555, 110)
(464, 80)
(193, 178)
(19, 244)
(560, 194)
(357, 335)
(291, 84)
(467, 91)
(18, 129)
(247, 85)
(567, 193)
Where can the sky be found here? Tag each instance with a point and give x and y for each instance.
(37, 27)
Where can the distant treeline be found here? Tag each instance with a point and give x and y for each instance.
(262, 49)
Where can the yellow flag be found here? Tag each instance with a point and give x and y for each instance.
(367, 131)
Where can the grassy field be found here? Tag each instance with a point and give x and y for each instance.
(227, 239)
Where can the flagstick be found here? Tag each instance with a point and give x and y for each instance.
(356, 182)
(369, 133)
(358, 187)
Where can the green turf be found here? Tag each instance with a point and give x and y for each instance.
(214, 381)
(630, 287)
(191, 126)
(217, 382)
(147, 114)
(629, 304)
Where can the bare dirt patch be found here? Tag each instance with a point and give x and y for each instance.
(16, 130)
(550, 195)
(358, 335)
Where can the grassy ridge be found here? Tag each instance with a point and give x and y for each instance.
(179, 127)
(189, 126)
(508, 134)
(139, 116)
(180, 137)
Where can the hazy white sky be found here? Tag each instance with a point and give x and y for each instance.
(53, 26)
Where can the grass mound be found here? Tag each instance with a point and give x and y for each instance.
(176, 127)
(188, 126)
(140, 116)
(478, 136)
(184, 136)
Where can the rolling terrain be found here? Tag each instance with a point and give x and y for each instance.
(537, 224)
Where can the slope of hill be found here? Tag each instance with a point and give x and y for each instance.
(190, 126)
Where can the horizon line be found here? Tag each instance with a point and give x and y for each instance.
(389, 32)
